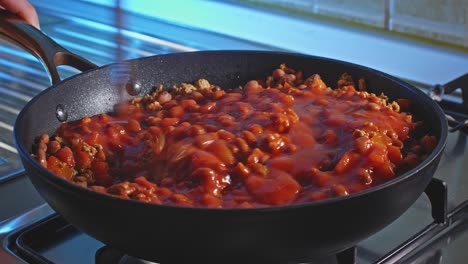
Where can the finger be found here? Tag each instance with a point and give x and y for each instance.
(23, 9)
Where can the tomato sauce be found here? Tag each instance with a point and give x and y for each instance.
(278, 141)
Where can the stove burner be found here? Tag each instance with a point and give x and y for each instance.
(109, 255)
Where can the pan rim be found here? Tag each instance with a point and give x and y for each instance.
(77, 190)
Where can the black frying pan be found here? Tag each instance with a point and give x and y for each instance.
(172, 234)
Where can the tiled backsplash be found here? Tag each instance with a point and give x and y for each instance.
(440, 20)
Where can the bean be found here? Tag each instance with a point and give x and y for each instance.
(197, 96)
(287, 99)
(255, 128)
(87, 120)
(319, 178)
(208, 107)
(429, 143)
(329, 137)
(169, 121)
(404, 104)
(323, 102)
(44, 138)
(211, 128)
(204, 140)
(164, 192)
(226, 135)
(224, 119)
(278, 74)
(240, 170)
(42, 146)
(362, 85)
(244, 108)
(221, 150)
(187, 103)
(232, 97)
(201, 158)
(259, 169)
(97, 188)
(133, 125)
(291, 148)
(42, 158)
(252, 86)
(255, 156)
(394, 154)
(281, 122)
(362, 144)
(340, 190)
(196, 130)
(210, 200)
(180, 199)
(242, 144)
(249, 137)
(385, 170)
(373, 106)
(346, 162)
(218, 94)
(176, 111)
(65, 154)
(53, 146)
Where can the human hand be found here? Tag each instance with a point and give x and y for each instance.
(23, 9)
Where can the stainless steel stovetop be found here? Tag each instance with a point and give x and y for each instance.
(31, 232)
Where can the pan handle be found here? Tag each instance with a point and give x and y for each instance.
(40, 45)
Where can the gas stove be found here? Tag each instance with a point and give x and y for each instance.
(433, 230)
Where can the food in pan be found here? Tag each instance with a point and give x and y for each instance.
(285, 139)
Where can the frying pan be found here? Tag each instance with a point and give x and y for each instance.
(166, 234)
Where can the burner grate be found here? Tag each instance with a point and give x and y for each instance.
(456, 113)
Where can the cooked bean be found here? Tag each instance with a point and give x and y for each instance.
(226, 135)
(241, 170)
(340, 190)
(373, 106)
(176, 111)
(42, 146)
(208, 107)
(242, 144)
(206, 139)
(41, 157)
(133, 125)
(221, 150)
(278, 74)
(196, 130)
(255, 156)
(44, 138)
(169, 121)
(249, 137)
(53, 146)
(289, 78)
(252, 86)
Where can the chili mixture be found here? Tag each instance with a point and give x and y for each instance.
(285, 139)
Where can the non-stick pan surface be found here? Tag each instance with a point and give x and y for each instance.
(165, 234)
